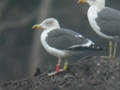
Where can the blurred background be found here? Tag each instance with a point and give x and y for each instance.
(20, 49)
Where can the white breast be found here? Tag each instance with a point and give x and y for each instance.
(92, 15)
(49, 49)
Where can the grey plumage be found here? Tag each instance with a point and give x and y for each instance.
(109, 21)
(65, 39)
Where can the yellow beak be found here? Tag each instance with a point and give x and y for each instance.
(36, 26)
(81, 1)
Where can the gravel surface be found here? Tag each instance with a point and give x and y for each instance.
(89, 73)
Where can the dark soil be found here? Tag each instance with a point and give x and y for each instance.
(89, 73)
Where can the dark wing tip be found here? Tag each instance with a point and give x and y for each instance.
(92, 47)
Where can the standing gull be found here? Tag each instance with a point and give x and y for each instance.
(62, 42)
(104, 21)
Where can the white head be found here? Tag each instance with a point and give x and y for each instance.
(47, 24)
(91, 2)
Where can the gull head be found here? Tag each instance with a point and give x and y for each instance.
(90, 2)
(47, 24)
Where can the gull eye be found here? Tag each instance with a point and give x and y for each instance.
(49, 22)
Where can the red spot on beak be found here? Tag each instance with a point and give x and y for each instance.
(81, 2)
(35, 27)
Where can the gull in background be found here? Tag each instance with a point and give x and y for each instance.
(105, 21)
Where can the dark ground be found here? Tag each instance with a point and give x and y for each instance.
(89, 73)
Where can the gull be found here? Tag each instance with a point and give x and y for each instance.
(61, 42)
(105, 22)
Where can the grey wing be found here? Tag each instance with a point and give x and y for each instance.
(109, 21)
(64, 39)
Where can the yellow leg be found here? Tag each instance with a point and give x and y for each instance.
(110, 49)
(65, 65)
(115, 49)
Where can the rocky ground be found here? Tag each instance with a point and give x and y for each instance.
(89, 73)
